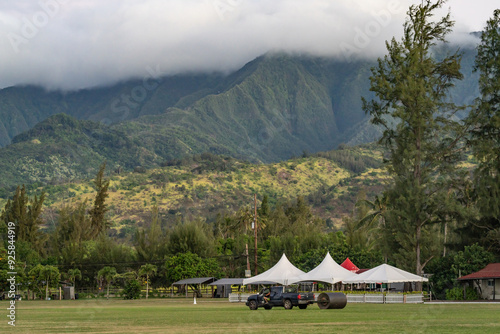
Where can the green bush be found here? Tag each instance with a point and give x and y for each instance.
(82, 295)
(455, 293)
(471, 294)
(132, 290)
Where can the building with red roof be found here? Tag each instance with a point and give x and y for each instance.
(486, 280)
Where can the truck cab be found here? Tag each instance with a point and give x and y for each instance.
(286, 297)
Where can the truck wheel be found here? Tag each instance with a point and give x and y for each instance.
(287, 304)
(303, 306)
(252, 305)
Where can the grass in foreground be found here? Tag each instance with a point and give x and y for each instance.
(208, 316)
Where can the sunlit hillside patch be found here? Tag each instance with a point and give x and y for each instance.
(178, 189)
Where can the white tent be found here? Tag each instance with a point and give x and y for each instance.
(385, 274)
(328, 271)
(283, 273)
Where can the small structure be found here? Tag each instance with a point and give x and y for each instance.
(223, 286)
(347, 264)
(486, 280)
(69, 292)
(194, 283)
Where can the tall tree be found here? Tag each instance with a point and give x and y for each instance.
(98, 211)
(26, 214)
(485, 135)
(150, 243)
(107, 275)
(72, 230)
(194, 236)
(45, 275)
(73, 275)
(147, 270)
(419, 128)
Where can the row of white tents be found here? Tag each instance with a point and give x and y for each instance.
(329, 271)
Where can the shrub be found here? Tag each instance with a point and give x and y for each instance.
(455, 293)
(471, 293)
(132, 290)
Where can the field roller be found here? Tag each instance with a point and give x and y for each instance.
(332, 300)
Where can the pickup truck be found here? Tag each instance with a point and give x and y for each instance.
(280, 296)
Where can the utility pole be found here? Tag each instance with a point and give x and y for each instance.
(255, 229)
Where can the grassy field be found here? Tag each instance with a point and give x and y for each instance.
(208, 316)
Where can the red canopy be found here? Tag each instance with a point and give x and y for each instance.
(347, 264)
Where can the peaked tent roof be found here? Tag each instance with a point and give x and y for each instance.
(327, 271)
(347, 264)
(492, 270)
(283, 273)
(386, 274)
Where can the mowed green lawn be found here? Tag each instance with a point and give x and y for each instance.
(210, 316)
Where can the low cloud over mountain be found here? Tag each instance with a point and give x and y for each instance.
(72, 44)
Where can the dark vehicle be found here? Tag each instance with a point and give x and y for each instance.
(280, 296)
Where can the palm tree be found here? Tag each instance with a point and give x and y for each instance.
(148, 270)
(73, 275)
(51, 276)
(376, 218)
(107, 274)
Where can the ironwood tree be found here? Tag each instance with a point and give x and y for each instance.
(98, 222)
(151, 242)
(485, 134)
(26, 213)
(420, 132)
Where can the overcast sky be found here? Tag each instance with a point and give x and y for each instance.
(73, 44)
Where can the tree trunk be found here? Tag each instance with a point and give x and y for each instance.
(246, 253)
(47, 290)
(417, 249)
(445, 237)
(107, 295)
(147, 286)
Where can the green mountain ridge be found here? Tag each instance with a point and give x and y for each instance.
(275, 107)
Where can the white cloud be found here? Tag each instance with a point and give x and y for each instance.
(72, 44)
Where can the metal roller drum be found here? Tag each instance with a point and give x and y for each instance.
(332, 300)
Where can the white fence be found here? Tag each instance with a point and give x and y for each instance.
(379, 298)
(414, 299)
(238, 297)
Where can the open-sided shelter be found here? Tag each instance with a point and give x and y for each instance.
(195, 283)
(283, 272)
(223, 286)
(328, 271)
